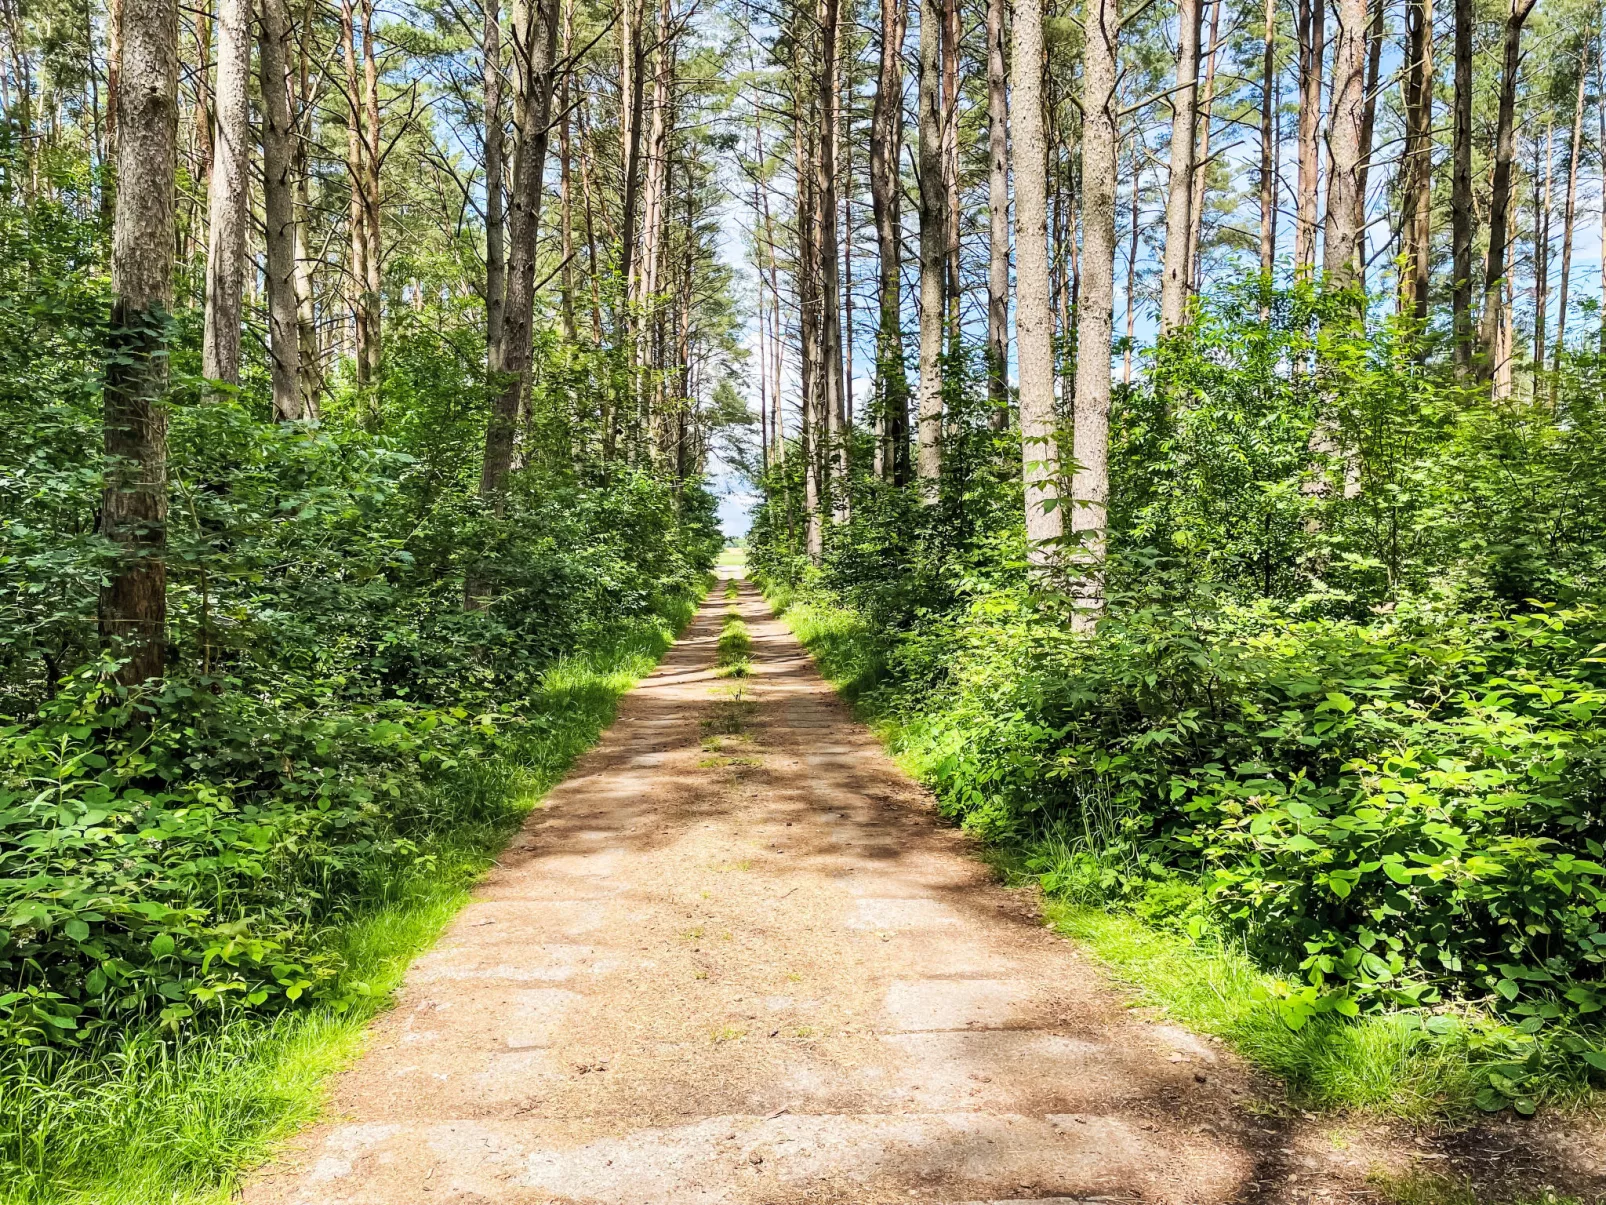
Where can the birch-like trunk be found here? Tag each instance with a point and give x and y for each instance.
(278, 209)
(231, 182)
(1034, 312)
(1346, 204)
(1179, 195)
(1090, 484)
(933, 248)
(133, 517)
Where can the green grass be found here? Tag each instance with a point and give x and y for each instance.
(1385, 1065)
(146, 1121)
(1417, 1188)
(735, 645)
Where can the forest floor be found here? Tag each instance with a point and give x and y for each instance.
(736, 957)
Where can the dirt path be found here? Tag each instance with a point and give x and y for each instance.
(750, 966)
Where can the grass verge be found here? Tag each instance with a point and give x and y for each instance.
(1387, 1065)
(147, 1120)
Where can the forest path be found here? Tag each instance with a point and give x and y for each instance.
(736, 958)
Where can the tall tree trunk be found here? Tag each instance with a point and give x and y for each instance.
(371, 201)
(1201, 172)
(495, 222)
(1461, 192)
(309, 356)
(1500, 187)
(357, 209)
(565, 200)
(632, 101)
(998, 217)
(534, 32)
(830, 285)
(808, 288)
(1312, 42)
(231, 181)
(933, 248)
(1133, 230)
(133, 517)
(1416, 224)
(278, 209)
(1374, 65)
(1270, 100)
(1179, 196)
(1034, 314)
(1570, 214)
(1090, 484)
(1346, 205)
(1542, 249)
(886, 148)
(950, 158)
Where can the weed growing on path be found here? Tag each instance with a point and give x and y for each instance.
(735, 645)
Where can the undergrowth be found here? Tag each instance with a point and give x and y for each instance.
(141, 1116)
(1157, 932)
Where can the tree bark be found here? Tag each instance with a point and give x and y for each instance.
(808, 288)
(133, 602)
(950, 159)
(998, 217)
(1569, 217)
(1090, 484)
(1416, 223)
(933, 248)
(1500, 187)
(830, 285)
(357, 210)
(495, 221)
(1461, 193)
(371, 213)
(1034, 313)
(886, 148)
(1542, 248)
(1270, 99)
(1179, 196)
(231, 182)
(1346, 204)
(565, 190)
(534, 31)
(278, 208)
(1312, 41)
(1207, 104)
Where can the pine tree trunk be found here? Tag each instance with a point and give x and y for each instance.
(950, 160)
(1346, 205)
(278, 208)
(1034, 313)
(495, 222)
(933, 249)
(1201, 170)
(886, 148)
(1179, 195)
(565, 200)
(133, 602)
(534, 29)
(1569, 217)
(1090, 484)
(231, 182)
(1542, 249)
(830, 284)
(1500, 190)
(1270, 99)
(1461, 192)
(1312, 39)
(357, 210)
(998, 218)
(371, 215)
(808, 289)
(1417, 160)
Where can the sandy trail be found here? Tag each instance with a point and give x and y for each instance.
(752, 966)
